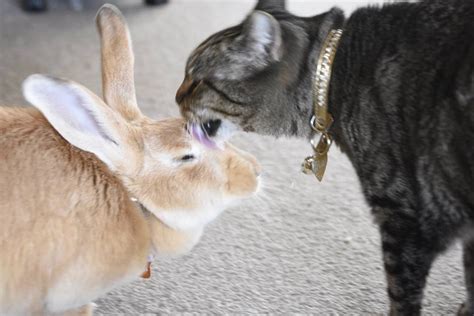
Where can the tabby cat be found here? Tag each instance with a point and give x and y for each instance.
(402, 98)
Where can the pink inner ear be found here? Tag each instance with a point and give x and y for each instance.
(70, 104)
(201, 136)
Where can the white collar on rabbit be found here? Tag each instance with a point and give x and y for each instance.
(145, 211)
(321, 119)
(147, 273)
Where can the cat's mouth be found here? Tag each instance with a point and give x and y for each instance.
(205, 132)
(212, 133)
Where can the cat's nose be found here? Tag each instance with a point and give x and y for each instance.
(185, 89)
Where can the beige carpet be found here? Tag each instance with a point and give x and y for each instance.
(301, 247)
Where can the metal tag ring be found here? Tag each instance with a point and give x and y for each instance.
(316, 124)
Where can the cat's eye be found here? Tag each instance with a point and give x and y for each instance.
(187, 158)
(211, 127)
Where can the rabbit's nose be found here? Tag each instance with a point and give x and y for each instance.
(258, 170)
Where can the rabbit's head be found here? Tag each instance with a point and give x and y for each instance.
(182, 182)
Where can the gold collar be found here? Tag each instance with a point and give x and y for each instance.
(321, 119)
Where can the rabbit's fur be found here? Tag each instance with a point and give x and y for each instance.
(69, 231)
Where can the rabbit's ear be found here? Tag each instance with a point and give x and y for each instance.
(79, 116)
(117, 62)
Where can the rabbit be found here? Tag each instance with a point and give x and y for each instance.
(76, 172)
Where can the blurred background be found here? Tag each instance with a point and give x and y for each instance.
(300, 247)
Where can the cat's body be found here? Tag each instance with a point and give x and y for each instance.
(402, 97)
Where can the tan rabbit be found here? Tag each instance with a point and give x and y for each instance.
(69, 230)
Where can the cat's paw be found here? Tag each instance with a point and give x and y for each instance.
(464, 310)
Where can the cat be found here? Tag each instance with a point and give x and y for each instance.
(402, 98)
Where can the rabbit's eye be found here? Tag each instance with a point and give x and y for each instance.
(187, 158)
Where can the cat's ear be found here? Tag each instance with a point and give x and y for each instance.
(262, 37)
(269, 5)
(258, 45)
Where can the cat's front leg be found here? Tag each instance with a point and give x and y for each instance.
(408, 255)
(468, 258)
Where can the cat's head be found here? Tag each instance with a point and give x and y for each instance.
(255, 76)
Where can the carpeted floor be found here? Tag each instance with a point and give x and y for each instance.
(300, 247)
